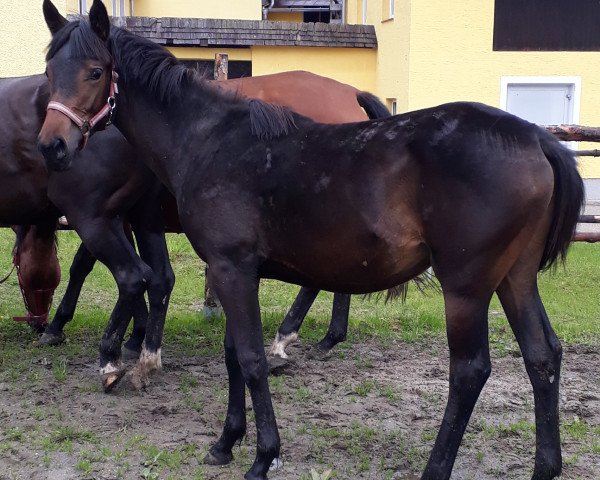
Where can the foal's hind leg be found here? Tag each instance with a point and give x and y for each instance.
(288, 331)
(542, 355)
(470, 367)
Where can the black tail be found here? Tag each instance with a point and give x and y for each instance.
(372, 105)
(568, 199)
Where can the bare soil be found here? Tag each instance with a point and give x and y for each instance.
(368, 411)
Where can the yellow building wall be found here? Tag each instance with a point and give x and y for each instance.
(24, 37)
(456, 62)
(231, 9)
(347, 65)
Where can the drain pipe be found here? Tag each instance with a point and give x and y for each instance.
(266, 9)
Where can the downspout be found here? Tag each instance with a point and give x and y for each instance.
(265, 9)
(131, 2)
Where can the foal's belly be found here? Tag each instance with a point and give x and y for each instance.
(357, 264)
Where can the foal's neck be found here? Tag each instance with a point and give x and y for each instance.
(162, 106)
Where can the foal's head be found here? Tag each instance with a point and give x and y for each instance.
(82, 83)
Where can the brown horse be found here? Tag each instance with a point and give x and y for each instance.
(32, 196)
(38, 271)
(485, 198)
(25, 202)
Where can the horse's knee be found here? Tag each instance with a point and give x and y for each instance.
(253, 366)
(133, 283)
(471, 374)
(544, 364)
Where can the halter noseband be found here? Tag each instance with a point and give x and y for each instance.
(86, 126)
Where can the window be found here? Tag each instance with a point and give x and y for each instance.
(559, 25)
(392, 105)
(118, 7)
(387, 10)
(237, 68)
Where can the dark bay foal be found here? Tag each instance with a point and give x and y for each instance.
(485, 198)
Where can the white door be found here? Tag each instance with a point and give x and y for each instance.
(542, 100)
(541, 103)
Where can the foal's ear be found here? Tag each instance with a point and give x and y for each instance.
(54, 19)
(99, 20)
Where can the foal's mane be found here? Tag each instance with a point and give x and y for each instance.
(142, 62)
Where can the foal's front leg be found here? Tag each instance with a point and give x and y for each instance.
(108, 243)
(245, 357)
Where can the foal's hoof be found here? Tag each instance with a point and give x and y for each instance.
(111, 380)
(50, 339)
(214, 457)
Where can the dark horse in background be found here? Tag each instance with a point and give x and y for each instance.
(318, 97)
(109, 185)
(485, 198)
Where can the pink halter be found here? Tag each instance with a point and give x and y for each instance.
(86, 126)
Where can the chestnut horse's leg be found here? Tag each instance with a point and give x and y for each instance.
(338, 327)
(542, 355)
(237, 287)
(288, 331)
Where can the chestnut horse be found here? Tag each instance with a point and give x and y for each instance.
(485, 198)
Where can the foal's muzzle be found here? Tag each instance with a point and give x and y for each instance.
(56, 154)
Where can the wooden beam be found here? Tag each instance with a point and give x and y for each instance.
(575, 133)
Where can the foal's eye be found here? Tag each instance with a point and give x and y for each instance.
(95, 74)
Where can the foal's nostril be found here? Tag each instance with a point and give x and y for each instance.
(55, 153)
(60, 148)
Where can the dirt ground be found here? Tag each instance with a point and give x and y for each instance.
(369, 411)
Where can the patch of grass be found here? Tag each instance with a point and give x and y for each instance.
(62, 438)
(59, 369)
(389, 392)
(14, 435)
(521, 428)
(302, 394)
(84, 466)
(364, 388)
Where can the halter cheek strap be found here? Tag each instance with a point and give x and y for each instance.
(86, 126)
